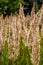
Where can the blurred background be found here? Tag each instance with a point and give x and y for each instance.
(11, 6)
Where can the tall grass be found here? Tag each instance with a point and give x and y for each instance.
(5, 53)
(28, 28)
(24, 57)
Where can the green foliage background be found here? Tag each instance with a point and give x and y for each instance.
(11, 6)
(41, 52)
